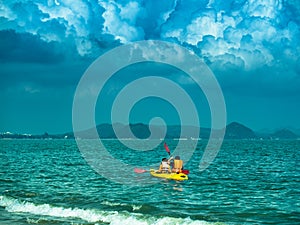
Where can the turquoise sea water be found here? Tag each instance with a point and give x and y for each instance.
(250, 182)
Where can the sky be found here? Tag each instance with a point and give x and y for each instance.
(252, 47)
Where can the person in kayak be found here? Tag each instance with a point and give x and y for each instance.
(164, 166)
(177, 165)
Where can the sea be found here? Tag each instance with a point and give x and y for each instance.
(249, 182)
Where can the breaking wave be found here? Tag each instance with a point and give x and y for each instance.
(91, 215)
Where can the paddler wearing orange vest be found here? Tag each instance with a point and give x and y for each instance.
(177, 165)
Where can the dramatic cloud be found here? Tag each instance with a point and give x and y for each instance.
(120, 21)
(253, 46)
(66, 22)
(255, 32)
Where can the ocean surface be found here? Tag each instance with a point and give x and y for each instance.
(250, 182)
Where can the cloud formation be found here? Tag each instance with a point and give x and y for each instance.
(253, 46)
(247, 33)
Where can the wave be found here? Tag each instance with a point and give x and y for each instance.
(91, 215)
(134, 207)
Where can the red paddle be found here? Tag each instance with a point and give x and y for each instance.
(186, 172)
(168, 151)
(167, 148)
(137, 170)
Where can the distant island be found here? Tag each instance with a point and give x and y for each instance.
(233, 131)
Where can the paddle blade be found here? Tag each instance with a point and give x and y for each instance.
(185, 172)
(167, 148)
(137, 170)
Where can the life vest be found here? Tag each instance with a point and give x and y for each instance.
(178, 164)
(165, 166)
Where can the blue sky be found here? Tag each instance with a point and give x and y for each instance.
(252, 46)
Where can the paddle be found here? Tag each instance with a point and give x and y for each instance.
(137, 170)
(167, 148)
(186, 172)
(168, 151)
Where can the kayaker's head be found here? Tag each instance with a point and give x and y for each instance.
(177, 157)
(164, 160)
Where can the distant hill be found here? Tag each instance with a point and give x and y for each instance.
(109, 131)
(238, 131)
(284, 134)
(142, 131)
(106, 131)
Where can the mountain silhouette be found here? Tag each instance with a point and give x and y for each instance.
(238, 131)
(233, 130)
(284, 134)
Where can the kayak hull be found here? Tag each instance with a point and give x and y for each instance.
(171, 176)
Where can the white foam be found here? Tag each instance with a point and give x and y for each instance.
(92, 215)
(134, 207)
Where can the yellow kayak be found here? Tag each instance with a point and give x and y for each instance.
(172, 176)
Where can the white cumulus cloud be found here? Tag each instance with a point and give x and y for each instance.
(120, 21)
(258, 32)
